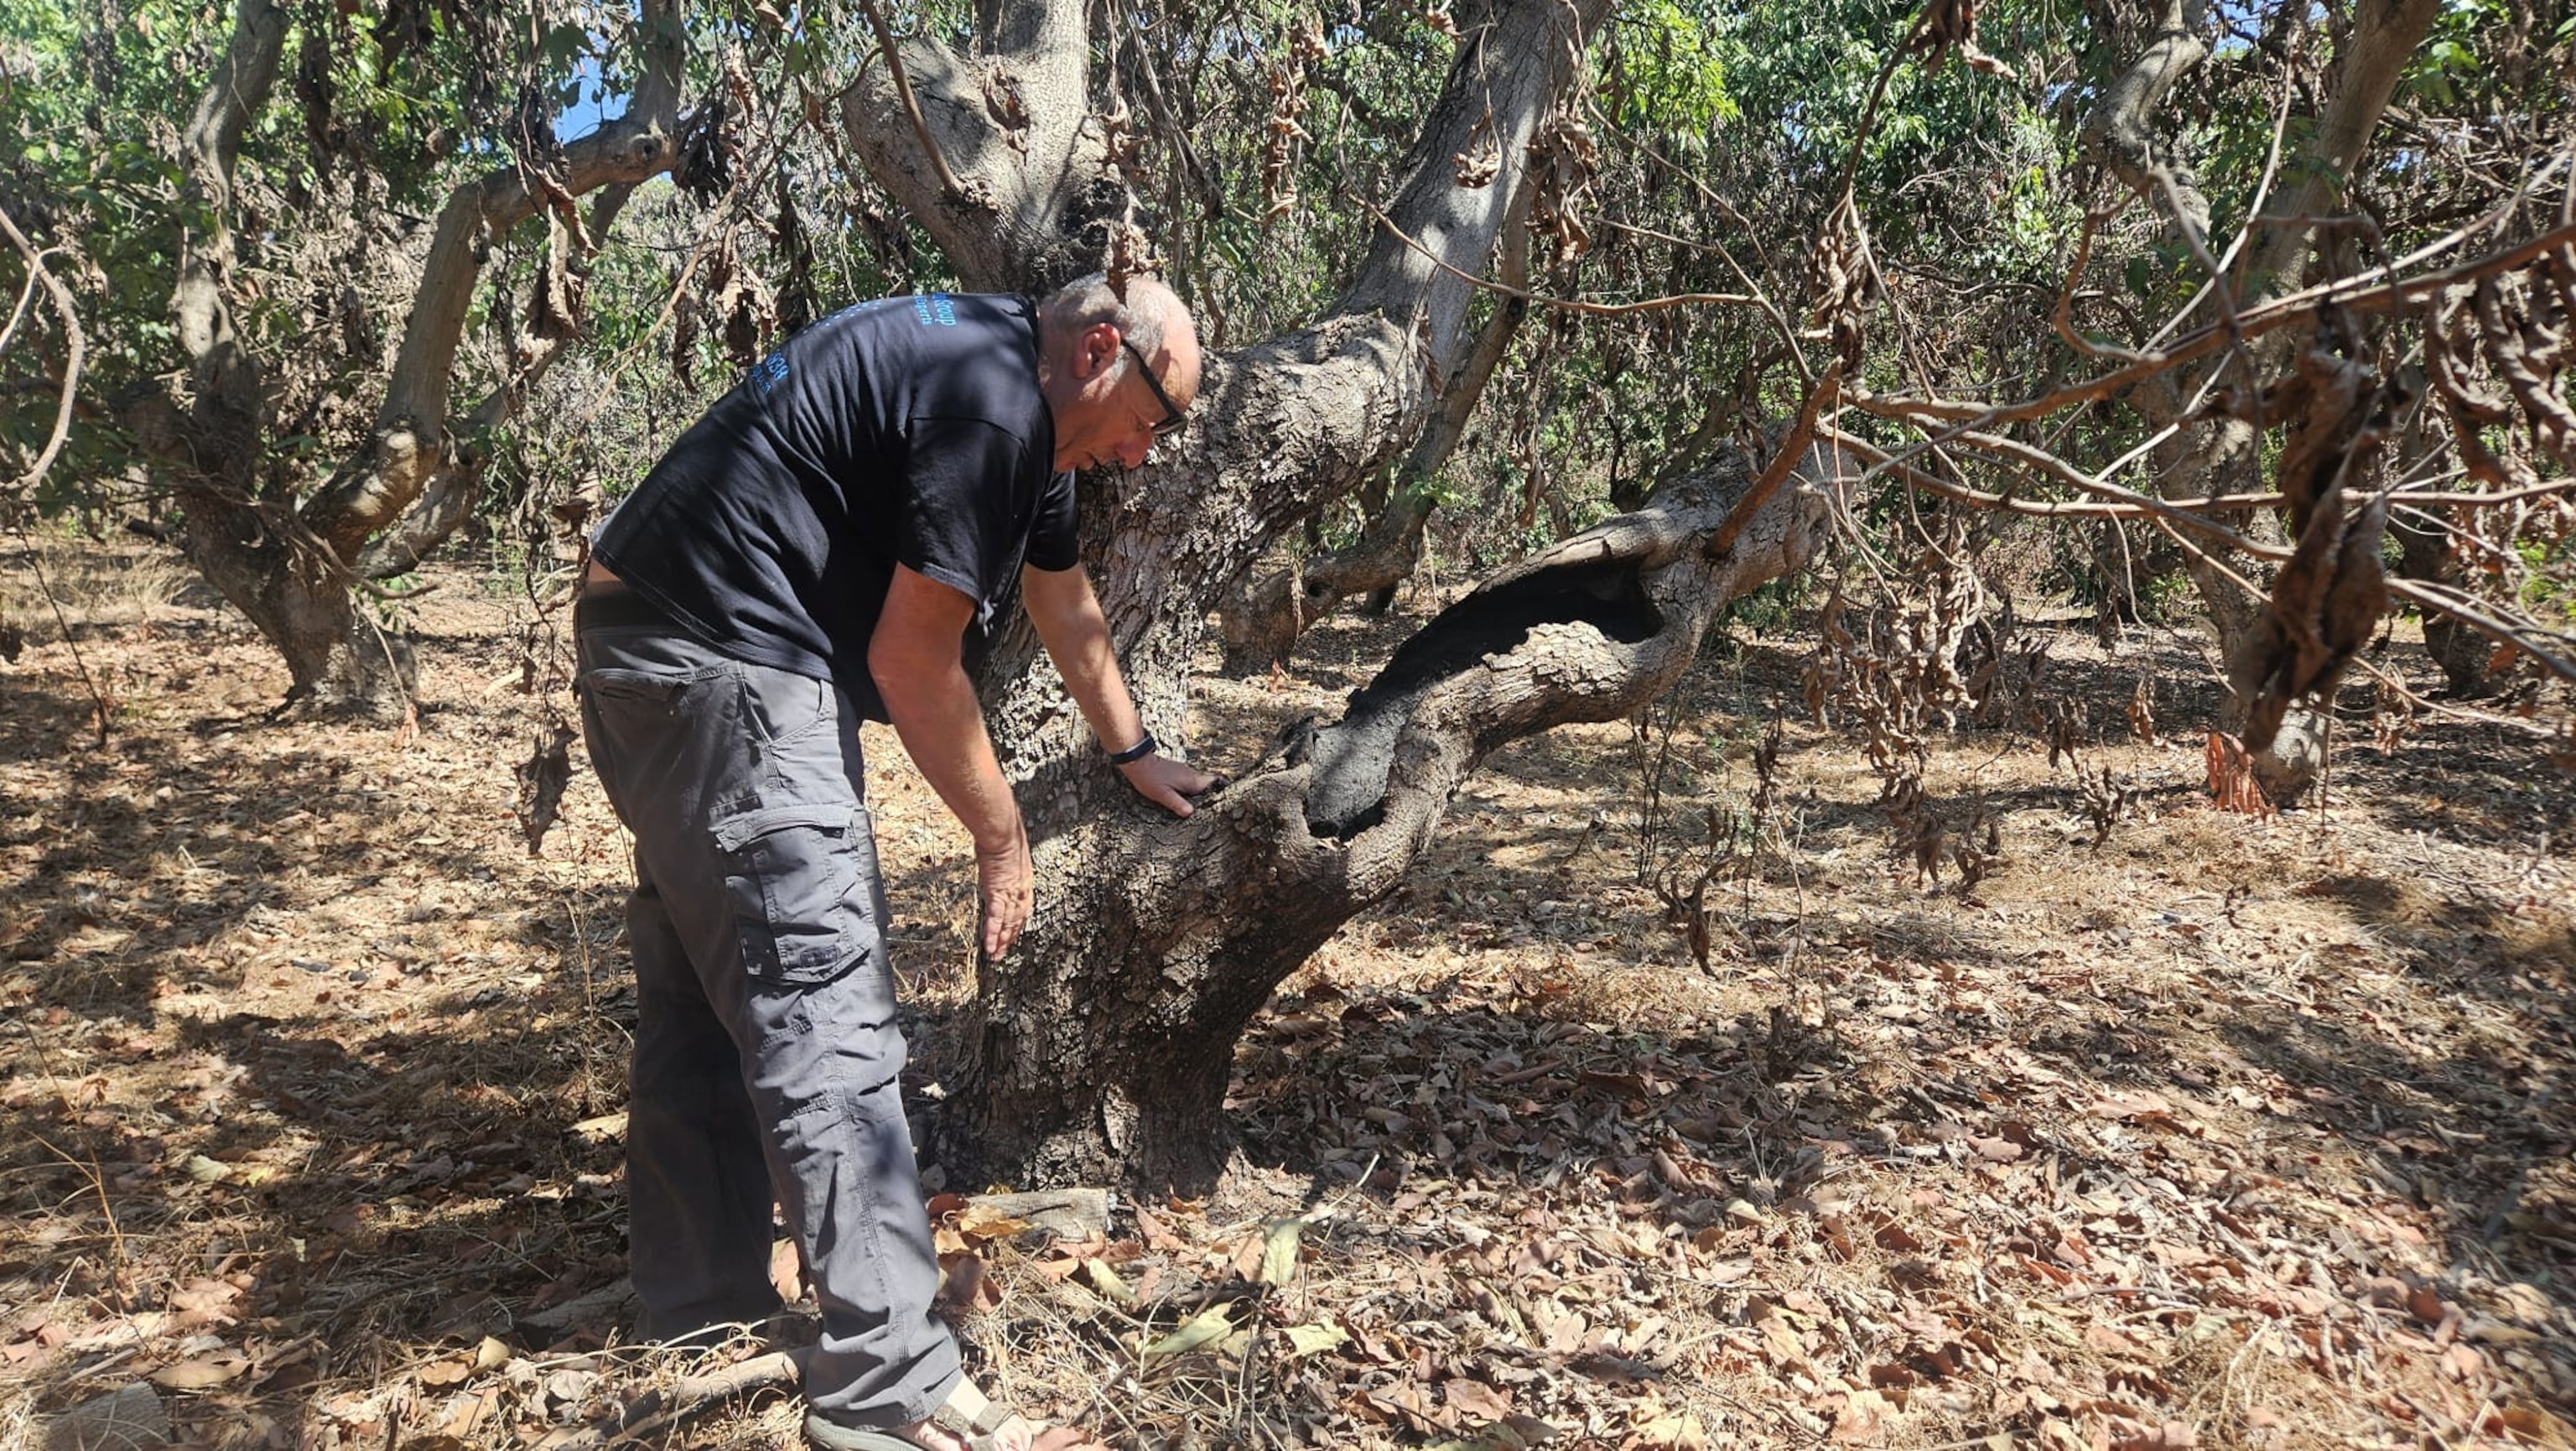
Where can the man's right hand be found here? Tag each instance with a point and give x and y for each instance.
(913, 659)
(1005, 881)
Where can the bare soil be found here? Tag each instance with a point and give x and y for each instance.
(2225, 1131)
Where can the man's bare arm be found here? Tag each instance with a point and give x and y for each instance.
(914, 659)
(1076, 636)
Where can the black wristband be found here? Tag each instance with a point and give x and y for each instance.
(1136, 752)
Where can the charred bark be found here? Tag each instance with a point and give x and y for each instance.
(1102, 1051)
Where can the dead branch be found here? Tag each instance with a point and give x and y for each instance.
(911, 104)
(1793, 452)
(2365, 295)
(691, 1396)
(2472, 612)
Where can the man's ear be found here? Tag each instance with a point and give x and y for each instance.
(1094, 349)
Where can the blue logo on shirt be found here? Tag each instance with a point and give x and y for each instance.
(934, 308)
(771, 372)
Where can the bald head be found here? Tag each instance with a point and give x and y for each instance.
(1090, 341)
(1151, 316)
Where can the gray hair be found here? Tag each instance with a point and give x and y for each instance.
(1087, 301)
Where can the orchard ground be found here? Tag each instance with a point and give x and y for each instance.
(2226, 1131)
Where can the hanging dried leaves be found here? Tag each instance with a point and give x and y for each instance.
(542, 779)
(1281, 133)
(709, 148)
(1564, 161)
(1951, 25)
(1483, 159)
(797, 303)
(555, 303)
(1131, 254)
(1838, 283)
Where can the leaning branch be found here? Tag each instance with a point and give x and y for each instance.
(76, 350)
(2469, 611)
(1793, 451)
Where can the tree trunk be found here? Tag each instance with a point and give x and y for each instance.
(2213, 456)
(1103, 1047)
(1100, 1049)
(2425, 553)
(291, 564)
(1286, 592)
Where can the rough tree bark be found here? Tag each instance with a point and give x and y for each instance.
(1099, 1047)
(2219, 455)
(1287, 591)
(293, 562)
(1105, 1053)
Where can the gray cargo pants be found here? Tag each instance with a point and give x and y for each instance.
(766, 1057)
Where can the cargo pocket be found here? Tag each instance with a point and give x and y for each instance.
(793, 873)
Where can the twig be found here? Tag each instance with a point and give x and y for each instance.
(689, 1396)
(18, 314)
(1793, 447)
(1540, 299)
(2366, 295)
(2459, 607)
(36, 562)
(2130, 506)
(911, 104)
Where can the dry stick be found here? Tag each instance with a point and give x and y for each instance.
(1792, 448)
(2468, 612)
(911, 104)
(2131, 505)
(35, 561)
(690, 1395)
(78, 346)
(1562, 304)
(18, 314)
(2062, 316)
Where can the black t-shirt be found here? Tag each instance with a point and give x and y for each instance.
(908, 430)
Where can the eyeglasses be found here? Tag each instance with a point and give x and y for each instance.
(1172, 419)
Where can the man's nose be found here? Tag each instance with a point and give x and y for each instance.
(1133, 448)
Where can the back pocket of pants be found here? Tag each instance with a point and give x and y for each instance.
(793, 873)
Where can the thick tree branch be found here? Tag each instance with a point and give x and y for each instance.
(2122, 129)
(411, 443)
(227, 378)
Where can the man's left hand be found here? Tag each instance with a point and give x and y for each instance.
(1167, 783)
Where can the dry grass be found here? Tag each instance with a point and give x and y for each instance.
(2252, 1132)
